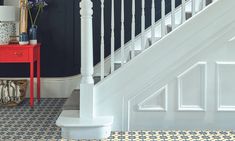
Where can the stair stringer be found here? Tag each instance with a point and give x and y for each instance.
(157, 65)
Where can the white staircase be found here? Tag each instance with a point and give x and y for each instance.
(159, 79)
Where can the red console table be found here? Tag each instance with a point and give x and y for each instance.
(24, 54)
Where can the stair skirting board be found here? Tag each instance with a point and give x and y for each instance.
(60, 87)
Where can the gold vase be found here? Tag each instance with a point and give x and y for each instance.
(23, 16)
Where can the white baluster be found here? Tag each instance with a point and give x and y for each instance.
(203, 4)
(153, 21)
(163, 24)
(122, 33)
(173, 14)
(112, 37)
(133, 30)
(102, 41)
(193, 7)
(143, 26)
(87, 82)
(183, 18)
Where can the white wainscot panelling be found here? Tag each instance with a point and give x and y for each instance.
(192, 88)
(226, 86)
(149, 106)
(155, 102)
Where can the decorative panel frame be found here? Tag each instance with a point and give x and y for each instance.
(143, 107)
(203, 83)
(220, 107)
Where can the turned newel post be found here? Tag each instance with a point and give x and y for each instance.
(87, 82)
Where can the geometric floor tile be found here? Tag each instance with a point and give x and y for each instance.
(22, 123)
(25, 123)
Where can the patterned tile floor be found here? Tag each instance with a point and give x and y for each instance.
(22, 123)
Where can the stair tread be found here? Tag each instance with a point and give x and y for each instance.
(73, 102)
(149, 41)
(97, 78)
(208, 2)
(170, 25)
(71, 118)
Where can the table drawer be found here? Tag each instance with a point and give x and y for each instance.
(8, 54)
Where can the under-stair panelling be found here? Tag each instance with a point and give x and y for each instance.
(202, 38)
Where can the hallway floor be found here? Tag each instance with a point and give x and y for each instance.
(22, 123)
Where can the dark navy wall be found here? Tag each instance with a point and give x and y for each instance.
(59, 33)
(1, 2)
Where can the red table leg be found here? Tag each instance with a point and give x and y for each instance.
(38, 75)
(31, 83)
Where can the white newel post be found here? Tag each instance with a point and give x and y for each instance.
(87, 82)
(83, 124)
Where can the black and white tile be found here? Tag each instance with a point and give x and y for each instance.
(22, 123)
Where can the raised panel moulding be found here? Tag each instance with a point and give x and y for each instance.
(192, 88)
(225, 86)
(155, 102)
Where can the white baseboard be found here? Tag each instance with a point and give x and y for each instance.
(60, 87)
(12, 2)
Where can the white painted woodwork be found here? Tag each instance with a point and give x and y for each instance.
(153, 21)
(136, 45)
(225, 86)
(193, 7)
(57, 87)
(173, 14)
(161, 64)
(102, 57)
(83, 124)
(183, 17)
(122, 33)
(155, 102)
(112, 37)
(12, 2)
(60, 87)
(163, 20)
(203, 4)
(192, 88)
(74, 128)
(87, 82)
(133, 30)
(143, 25)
